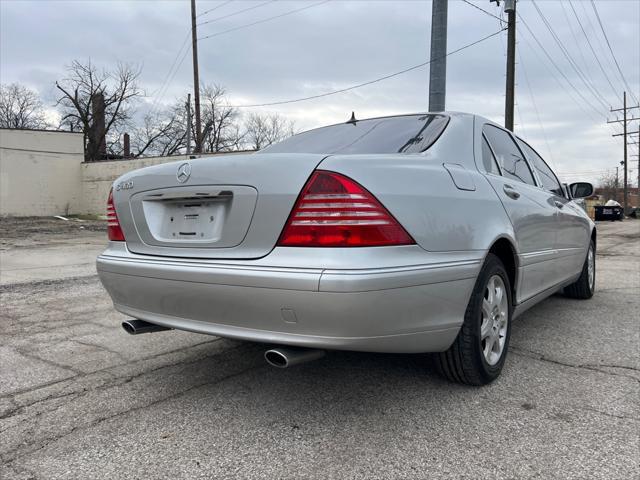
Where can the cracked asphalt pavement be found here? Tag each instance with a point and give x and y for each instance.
(81, 399)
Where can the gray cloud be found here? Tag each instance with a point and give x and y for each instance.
(342, 43)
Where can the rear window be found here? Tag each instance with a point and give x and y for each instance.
(403, 134)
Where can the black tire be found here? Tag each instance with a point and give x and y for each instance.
(583, 288)
(465, 362)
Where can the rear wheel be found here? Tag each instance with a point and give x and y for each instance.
(479, 351)
(585, 286)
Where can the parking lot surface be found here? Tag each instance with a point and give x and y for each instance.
(79, 398)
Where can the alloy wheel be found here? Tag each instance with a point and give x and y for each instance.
(495, 318)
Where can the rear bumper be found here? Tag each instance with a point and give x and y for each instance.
(413, 308)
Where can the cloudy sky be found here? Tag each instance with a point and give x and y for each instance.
(562, 108)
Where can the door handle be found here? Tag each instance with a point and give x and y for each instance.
(558, 204)
(510, 192)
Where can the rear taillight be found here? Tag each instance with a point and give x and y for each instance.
(113, 225)
(335, 211)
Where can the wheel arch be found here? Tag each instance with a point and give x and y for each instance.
(505, 250)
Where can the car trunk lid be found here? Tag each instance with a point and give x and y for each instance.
(226, 206)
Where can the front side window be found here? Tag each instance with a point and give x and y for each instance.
(511, 161)
(402, 134)
(545, 174)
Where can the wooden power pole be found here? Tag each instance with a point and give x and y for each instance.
(438, 60)
(510, 9)
(196, 77)
(625, 132)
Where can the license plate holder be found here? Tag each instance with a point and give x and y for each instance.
(187, 220)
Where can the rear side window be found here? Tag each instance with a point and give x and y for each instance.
(510, 159)
(403, 134)
(545, 174)
(488, 160)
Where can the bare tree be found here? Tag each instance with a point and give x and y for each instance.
(84, 87)
(263, 130)
(20, 107)
(220, 132)
(608, 186)
(161, 133)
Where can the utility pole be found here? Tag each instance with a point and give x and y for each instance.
(438, 60)
(188, 123)
(624, 130)
(625, 120)
(510, 9)
(196, 77)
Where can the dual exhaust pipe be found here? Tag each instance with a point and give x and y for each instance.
(279, 357)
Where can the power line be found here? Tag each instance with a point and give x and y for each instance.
(213, 9)
(615, 92)
(363, 84)
(171, 73)
(555, 77)
(602, 49)
(290, 12)
(573, 34)
(535, 107)
(484, 11)
(236, 12)
(544, 50)
(175, 67)
(629, 89)
(590, 87)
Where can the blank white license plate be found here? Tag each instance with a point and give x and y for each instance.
(188, 220)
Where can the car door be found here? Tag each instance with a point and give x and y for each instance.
(573, 233)
(531, 210)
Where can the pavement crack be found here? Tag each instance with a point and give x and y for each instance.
(102, 347)
(12, 455)
(48, 362)
(106, 370)
(612, 415)
(523, 352)
(115, 380)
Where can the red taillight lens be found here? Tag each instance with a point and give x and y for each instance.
(113, 225)
(335, 211)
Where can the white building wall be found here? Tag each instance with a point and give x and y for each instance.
(43, 173)
(40, 172)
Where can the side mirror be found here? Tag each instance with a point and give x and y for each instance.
(581, 189)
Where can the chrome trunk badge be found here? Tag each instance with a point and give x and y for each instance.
(184, 172)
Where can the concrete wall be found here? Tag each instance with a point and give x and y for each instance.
(43, 173)
(40, 172)
(97, 178)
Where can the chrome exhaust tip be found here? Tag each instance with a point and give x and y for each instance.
(136, 327)
(285, 357)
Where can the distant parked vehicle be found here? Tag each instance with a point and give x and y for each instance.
(412, 233)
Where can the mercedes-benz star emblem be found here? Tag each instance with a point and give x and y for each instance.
(184, 172)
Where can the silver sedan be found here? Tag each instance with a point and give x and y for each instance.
(411, 233)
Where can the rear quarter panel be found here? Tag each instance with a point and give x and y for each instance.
(421, 194)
